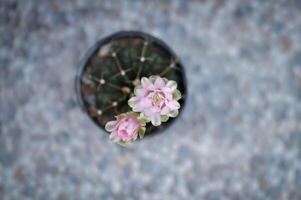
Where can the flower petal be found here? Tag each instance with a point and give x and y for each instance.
(165, 110)
(173, 113)
(154, 109)
(143, 120)
(172, 85)
(167, 93)
(142, 104)
(132, 101)
(173, 105)
(145, 82)
(113, 137)
(145, 102)
(141, 132)
(139, 91)
(153, 78)
(156, 120)
(164, 118)
(165, 80)
(177, 95)
(110, 126)
(123, 143)
(159, 83)
(121, 116)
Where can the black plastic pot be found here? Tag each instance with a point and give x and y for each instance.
(92, 52)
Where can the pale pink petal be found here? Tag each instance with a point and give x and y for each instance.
(110, 126)
(173, 105)
(144, 103)
(132, 101)
(165, 110)
(114, 137)
(166, 89)
(154, 109)
(133, 125)
(156, 120)
(148, 113)
(159, 83)
(151, 87)
(167, 93)
(145, 82)
(172, 85)
(140, 92)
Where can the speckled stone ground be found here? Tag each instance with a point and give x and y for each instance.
(239, 136)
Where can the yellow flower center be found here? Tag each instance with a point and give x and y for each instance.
(157, 99)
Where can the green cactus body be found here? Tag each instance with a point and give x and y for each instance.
(116, 66)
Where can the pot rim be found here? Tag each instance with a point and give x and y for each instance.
(126, 34)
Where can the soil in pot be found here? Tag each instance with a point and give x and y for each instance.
(113, 67)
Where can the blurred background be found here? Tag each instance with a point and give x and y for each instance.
(239, 136)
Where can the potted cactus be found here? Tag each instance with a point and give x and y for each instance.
(117, 67)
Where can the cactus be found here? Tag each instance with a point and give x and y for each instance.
(116, 66)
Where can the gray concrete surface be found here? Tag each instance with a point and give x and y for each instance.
(239, 136)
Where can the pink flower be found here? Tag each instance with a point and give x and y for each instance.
(126, 128)
(157, 98)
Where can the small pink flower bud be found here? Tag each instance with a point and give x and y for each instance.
(126, 128)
